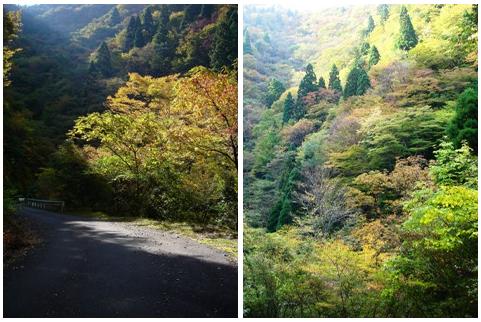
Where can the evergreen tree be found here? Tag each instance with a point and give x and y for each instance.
(115, 18)
(373, 56)
(364, 49)
(224, 48)
(321, 83)
(370, 25)
(350, 88)
(247, 43)
(130, 34)
(363, 83)
(334, 81)
(101, 61)
(464, 124)
(308, 83)
(274, 91)
(407, 37)
(383, 11)
(289, 107)
(163, 47)
(149, 23)
(357, 82)
(139, 36)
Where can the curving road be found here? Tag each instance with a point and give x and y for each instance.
(91, 268)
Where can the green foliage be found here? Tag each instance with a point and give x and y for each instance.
(407, 35)
(224, 48)
(11, 27)
(383, 12)
(374, 56)
(455, 166)
(370, 25)
(247, 47)
(101, 61)
(321, 83)
(357, 82)
(274, 91)
(464, 124)
(115, 18)
(334, 81)
(308, 83)
(289, 108)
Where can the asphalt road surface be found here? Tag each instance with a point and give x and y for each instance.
(91, 268)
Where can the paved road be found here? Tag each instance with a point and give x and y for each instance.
(90, 268)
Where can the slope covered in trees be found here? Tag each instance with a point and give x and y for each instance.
(126, 109)
(360, 169)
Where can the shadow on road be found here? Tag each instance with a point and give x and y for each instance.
(81, 271)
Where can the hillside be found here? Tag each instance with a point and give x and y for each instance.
(360, 161)
(109, 108)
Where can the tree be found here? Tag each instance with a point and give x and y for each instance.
(115, 18)
(370, 25)
(308, 83)
(407, 35)
(383, 11)
(455, 166)
(363, 83)
(334, 81)
(130, 34)
(163, 47)
(11, 27)
(323, 198)
(364, 49)
(139, 40)
(223, 52)
(321, 83)
(247, 43)
(289, 107)
(464, 124)
(274, 91)
(101, 61)
(374, 56)
(149, 23)
(350, 89)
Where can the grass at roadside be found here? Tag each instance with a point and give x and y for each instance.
(220, 238)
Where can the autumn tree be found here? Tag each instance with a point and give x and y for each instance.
(11, 27)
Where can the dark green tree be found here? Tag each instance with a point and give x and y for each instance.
(139, 40)
(224, 48)
(289, 108)
(350, 89)
(373, 56)
(101, 61)
(308, 83)
(321, 83)
(115, 18)
(407, 35)
(334, 81)
(370, 25)
(464, 125)
(130, 34)
(363, 83)
(247, 43)
(364, 49)
(163, 47)
(149, 26)
(274, 91)
(383, 11)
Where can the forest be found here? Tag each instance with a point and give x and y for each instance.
(124, 110)
(360, 161)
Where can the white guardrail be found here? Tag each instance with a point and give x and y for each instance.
(43, 204)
